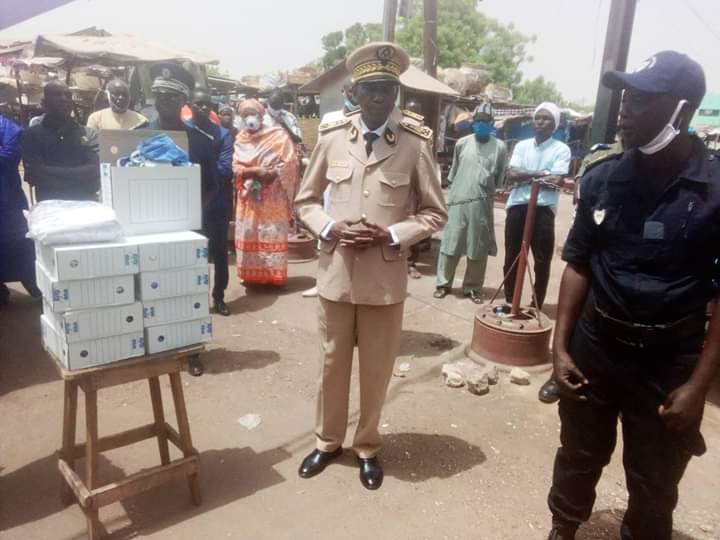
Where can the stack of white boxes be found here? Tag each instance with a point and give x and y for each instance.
(173, 287)
(90, 315)
(144, 295)
(108, 302)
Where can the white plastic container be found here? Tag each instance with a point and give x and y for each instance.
(183, 249)
(63, 296)
(153, 199)
(85, 324)
(179, 308)
(90, 353)
(171, 336)
(81, 261)
(170, 283)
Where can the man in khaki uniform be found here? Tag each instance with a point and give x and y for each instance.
(377, 163)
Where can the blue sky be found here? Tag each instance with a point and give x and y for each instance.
(254, 37)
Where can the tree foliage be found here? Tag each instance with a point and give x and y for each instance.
(536, 91)
(337, 45)
(465, 35)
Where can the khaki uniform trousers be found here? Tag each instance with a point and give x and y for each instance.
(376, 330)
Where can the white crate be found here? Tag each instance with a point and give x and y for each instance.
(170, 283)
(85, 293)
(95, 352)
(181, 334)
(81, 261)
(153, 199)
(85, 324)
(180, 308)
(171, 250)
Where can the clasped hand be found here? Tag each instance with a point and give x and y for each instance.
(359, 234)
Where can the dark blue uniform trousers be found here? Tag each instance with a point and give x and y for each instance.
(215, 228)
(627, 383)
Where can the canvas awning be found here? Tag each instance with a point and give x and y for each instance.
(113, 50)
(418, 80)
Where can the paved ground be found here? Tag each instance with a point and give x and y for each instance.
(457, 466)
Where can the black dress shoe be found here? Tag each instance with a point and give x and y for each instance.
(195, 366)
(371, 473)
(220, 307)
(475, 296)
(316, 461)
(549, 392)
(441, 292)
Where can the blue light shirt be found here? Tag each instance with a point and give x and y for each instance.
(550, 155)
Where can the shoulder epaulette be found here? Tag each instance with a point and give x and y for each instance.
(352, 113)
(601, 159)
(322, 128)
(423, 132)
(414, 115)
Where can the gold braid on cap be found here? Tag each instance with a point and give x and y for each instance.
(375, 67)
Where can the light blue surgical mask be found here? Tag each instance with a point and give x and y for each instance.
(350, 106)
(482, 130)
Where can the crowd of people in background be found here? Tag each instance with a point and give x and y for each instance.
(640, 253)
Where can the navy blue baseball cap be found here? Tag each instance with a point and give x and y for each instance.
(667, 72)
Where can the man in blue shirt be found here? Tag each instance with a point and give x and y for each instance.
(630, 339)
(539, 157)
(17, 253)
(216, 214)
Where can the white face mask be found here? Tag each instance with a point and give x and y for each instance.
(667, 133)
(252, 122)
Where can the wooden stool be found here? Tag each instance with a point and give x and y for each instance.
(89, 494)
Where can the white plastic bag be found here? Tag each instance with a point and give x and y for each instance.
(72, 222)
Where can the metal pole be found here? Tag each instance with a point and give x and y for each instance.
(524, 247)
(430, 37)
(389, 15)
(617, 44)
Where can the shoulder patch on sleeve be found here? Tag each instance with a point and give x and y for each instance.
(601, 159)
(322, 128)
(423, 132)
(413, 115)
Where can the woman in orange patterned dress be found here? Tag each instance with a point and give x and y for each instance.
(265, 164)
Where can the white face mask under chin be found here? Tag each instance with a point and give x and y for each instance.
(667, 133)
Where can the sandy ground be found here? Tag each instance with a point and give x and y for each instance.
(457, 466)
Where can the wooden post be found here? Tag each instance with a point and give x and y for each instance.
(430, 52)
(159, 416)
(524, 248)
(91, 455)
(184, 430)
(617, 45)
(389, 16)
(68, 436)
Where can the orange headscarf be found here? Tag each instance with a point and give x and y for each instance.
(251, 105)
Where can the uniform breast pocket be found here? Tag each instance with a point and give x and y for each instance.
(394, 188)
(339, 179)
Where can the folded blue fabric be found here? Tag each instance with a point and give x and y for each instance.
(159, 149)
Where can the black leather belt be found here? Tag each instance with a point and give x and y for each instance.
(645, 335)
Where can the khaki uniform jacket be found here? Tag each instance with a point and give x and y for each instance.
(399, 175)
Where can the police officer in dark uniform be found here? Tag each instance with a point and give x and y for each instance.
(631, 316)
(172, 85)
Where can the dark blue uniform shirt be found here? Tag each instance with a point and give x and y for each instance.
(649, 264)
(223, 146)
